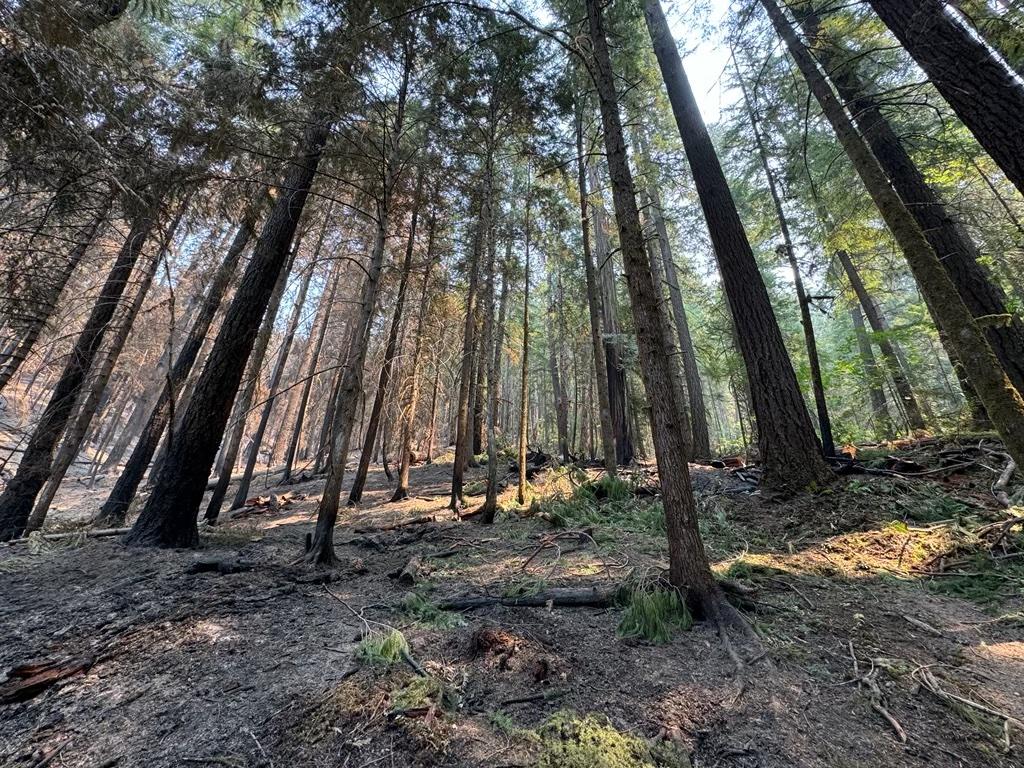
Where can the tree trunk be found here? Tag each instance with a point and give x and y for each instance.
(1002, 401)
(985, 93)
(390, 354)
(242, 492)
(169, 517)
(113, 512)
(310, 362)
(557, 385)
(688, 563)
(10, 364)
(879, 406)
(789, 449)
(87, 408)
(34, 468)
(828, 445)
(524, 381)
(409, 412)
(954, 247)
(494, 344)
(594, 306)
(701, 438)
(617, 390)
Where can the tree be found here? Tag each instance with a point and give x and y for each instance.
(169, 517)
(982, 89)
(788, 447)
(20, 493)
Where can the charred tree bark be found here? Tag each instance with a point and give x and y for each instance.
(34, 468)
(114, 510)
(11, 364)
(169, 517)
(91, 402)
(242, 493)
(789, 448)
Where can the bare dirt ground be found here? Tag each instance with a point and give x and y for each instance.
(876, 652)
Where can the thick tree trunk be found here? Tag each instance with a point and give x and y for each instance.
(828, 444)
(594, 307)
(11, 363)
(90, 403)
(789, 448)
(688, 563)
(390, 354)
(954, 247)
(981, 88)
(495, 339)
(242, 492)
(34, 468)
(169, 517)
(113, 512)
(1001, 400)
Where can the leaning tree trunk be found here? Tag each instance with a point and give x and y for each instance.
(115, 509)
(87, 409)
(34, 468)
(1001, 400)
(828, 444)
(954, 247)
(688, 562)
(890, 352)
(594, 307)
(985, 93)
(41, 316)
(789, 448)
(390, 354)
(242, 492)
(169, 517)
(232, 441)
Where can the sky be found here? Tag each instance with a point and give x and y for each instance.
(706, 59)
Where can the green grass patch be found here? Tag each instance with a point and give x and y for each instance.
(421, 610)
(654, 614)
(382, 648)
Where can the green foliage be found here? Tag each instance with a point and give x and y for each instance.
(982, 580)
(425, 691)
(526, 586)
(608, 502)
(568, 740)
(382, 648)
(502, 721)
(421, 610)
(653, 613)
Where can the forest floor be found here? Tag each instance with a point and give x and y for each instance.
(891, 619)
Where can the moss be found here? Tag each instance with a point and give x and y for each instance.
(568, 740)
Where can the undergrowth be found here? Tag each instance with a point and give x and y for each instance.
(387, 647)
(568, 740)
(653, 613)
(421, 610)
(609, 501)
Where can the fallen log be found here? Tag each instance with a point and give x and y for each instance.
(91, 534)
(563, 597)
(29, 680)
